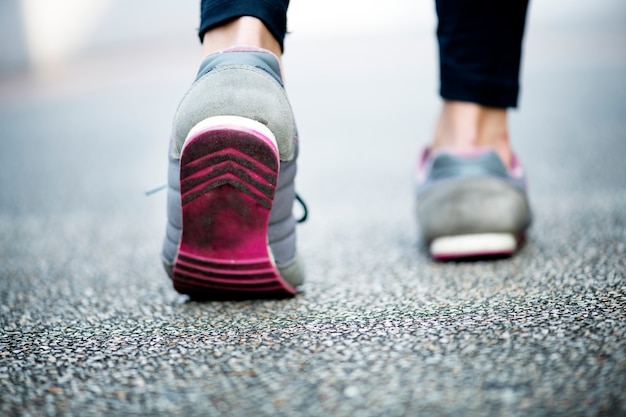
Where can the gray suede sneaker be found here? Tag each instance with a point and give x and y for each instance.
(470, 204)
(232, 163)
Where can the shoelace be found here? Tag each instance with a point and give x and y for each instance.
(305, 209)
(155, 190)
(302, 219)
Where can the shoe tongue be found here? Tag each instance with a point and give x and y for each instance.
(258, 58)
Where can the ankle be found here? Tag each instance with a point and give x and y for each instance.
(243, 31)
(464, 126)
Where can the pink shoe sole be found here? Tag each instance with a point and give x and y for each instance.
(228, 180)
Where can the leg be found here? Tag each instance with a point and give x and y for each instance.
(465, 125)
(231, 232)
(480, 44)
(472, 198)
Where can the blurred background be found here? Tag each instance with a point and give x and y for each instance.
(82, 80)
(114, 71)
(126, 64)
(44, 39)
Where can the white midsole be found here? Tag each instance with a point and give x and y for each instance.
(474, 244)
(233, 121)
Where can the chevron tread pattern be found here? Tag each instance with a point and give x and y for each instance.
(228, 181)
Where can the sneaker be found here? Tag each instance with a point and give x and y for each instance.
(232, 164)
(470, 205)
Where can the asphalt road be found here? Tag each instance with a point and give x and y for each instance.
(90, 325)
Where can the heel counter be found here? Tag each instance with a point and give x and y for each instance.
(237, 90)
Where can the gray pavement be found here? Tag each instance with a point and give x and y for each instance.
(89, 323)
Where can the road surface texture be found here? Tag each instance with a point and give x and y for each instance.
(89, 322)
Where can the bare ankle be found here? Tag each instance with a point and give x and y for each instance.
(457, 126)
(243, 31)
(466, 126)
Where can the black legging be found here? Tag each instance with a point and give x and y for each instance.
(480, 42)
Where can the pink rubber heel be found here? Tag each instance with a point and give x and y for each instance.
(229, 171)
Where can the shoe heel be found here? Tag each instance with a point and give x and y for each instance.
(228, 174)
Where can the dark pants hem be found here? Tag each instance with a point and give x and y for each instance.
(273, 13)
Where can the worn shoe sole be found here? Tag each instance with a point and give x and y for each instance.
(228, 175)
(473, 246)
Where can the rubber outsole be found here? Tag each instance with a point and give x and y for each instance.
(478, 245)
(228, 175)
